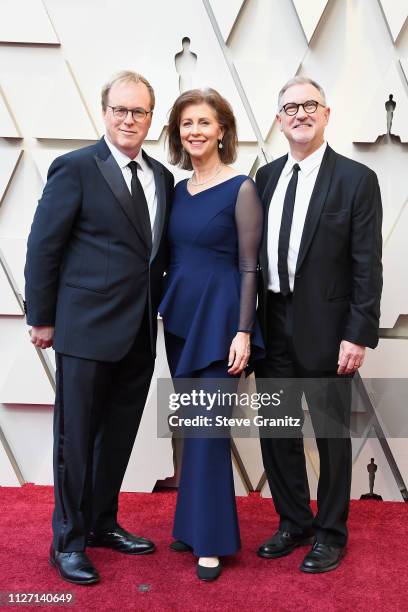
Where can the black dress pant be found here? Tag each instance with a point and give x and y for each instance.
(98, 408)
(328, 397)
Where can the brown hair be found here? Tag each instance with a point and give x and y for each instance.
(129, 77)
(225, 117)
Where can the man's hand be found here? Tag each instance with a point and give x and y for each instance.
(351, 357)
(42, 336)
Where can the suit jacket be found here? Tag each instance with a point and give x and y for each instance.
(91, 267)
(338, 278)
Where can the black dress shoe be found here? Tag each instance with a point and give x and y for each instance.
(208, 573)
(121, 540)
(322, 558)
(179, 546)
(74, 567)
(283, 543)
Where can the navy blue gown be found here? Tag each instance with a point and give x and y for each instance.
(210, 295)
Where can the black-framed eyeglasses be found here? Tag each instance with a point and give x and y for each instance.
(310, 107)
(138, 114)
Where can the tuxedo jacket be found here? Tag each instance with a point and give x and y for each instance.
(338, 278)
(91, 268)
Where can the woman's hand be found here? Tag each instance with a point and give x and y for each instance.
(239, 353)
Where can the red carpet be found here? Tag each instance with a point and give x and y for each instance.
(372, 577)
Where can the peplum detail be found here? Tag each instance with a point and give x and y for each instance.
(207, 319)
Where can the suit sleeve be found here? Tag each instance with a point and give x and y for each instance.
(50, 232)
(365, 250)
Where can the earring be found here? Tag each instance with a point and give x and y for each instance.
(220, 145)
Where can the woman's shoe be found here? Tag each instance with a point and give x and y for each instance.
(208, 573)
(179, 546)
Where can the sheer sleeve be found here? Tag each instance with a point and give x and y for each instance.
(249, 220)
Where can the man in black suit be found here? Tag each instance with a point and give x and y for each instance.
(95, 261)
(319, 305)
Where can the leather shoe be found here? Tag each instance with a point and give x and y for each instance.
(121, 540)
(179, 546)
(283, 543)
(74, 567)
(322, 558)
(208, 574)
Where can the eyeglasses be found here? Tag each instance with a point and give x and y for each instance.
(310, 107)
(138, 114)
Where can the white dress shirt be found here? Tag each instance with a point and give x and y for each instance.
(144, 174)
(309, 168)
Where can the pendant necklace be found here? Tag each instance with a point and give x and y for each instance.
(208, 180)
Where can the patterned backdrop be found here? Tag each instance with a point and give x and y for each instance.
(54, 57)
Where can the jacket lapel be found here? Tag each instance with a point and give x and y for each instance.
(316, 203)
(114, 177)
(161, 203)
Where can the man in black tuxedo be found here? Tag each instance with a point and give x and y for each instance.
(95, 261)
(319, 306)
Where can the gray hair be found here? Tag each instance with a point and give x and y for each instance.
(126, 76)
(300, 80)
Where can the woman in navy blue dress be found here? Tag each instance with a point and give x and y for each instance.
(208, 308)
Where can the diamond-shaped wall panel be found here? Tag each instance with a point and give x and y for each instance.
(37, 388)
(226, 14)
(60, 110)
(374, 118)
(57, 110)
(8, 301)
(14, 251)
(395, 292)
(9, 158)
(310, 12)
(396, 14)
(8, 475)
(44, 157)
(8, 127)
(264, 103)
(404, 66)
(26, 21)
(388, 158)
(246, 159)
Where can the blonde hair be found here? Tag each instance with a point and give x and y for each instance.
(126, 76)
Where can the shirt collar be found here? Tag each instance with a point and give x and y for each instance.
(307, 165)
(122, 159)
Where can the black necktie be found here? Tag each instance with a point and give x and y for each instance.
(284, 232)
(139, 199)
